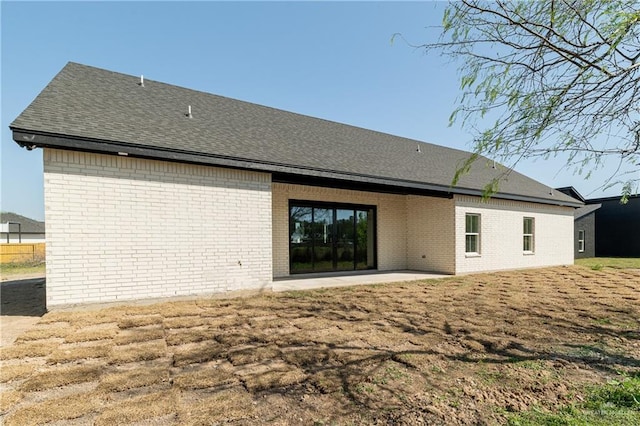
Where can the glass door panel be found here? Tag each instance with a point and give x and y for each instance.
(301, 250)
(365, 226)
(345, 244)
(323, 237)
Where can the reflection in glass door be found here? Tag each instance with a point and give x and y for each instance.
(331, 237)
(345, 243)
(323, 238)
(301, 252)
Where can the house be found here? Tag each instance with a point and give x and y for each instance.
(584, 228)
(15, 228)
(618, 226)
(154, 190)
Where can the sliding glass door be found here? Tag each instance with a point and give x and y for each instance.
(327, 237)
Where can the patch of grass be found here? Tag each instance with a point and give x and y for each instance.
(615, 403)
(197, 353)
(136, 335)
(621, 393)
(23, 268)
(597, 263)
(534, 364)
(91, 334)
(44, 333)
(141, 408)
(183, 336)
(226, 406)
(252, 354)
(187, 321)
(133, 378)
(8, 399)
(206, 376)
(28, 350)
(139, 321)
(51, 410)
(79, 353)
(9, 372)
(61, 377)
(144, 351)
(273, 379)
(328, 381)
(490, 376)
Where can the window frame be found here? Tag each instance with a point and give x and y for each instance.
(529, 236)
(334, 206)
(469, 233)
(581, 241)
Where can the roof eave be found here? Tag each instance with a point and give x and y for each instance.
(30, 140)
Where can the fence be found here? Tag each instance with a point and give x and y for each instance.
(28, 252)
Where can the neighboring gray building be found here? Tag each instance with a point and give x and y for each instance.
(252, 194)
(584, 229)
(15, 228)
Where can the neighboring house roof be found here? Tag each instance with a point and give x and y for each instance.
(27, 226)
(571, 192)
(583, 211)
(90, 109)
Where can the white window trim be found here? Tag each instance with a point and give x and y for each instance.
(581, 241)
(477, 234)
(532, 235)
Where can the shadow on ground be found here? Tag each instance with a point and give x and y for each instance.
(25, 297)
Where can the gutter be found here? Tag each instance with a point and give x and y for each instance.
(31, 140)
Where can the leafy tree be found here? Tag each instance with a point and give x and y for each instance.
(556, 77)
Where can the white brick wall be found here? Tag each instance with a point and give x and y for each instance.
(121, 228)
(502, 232)
(431, 234)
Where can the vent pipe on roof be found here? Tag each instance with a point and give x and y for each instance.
(141, 84)
(188, 114)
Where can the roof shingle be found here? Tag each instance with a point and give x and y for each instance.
(92, 104)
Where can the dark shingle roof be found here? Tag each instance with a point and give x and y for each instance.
(96, 107)
(583, 211)
(27, 226)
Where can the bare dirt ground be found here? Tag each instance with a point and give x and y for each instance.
(22, 303)
(464, 350)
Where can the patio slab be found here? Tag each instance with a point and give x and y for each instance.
(308, 282)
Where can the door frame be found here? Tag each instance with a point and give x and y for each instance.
(334, 206)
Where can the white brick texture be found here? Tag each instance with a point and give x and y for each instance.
(501, 235)
(431, 234)
(122, 228)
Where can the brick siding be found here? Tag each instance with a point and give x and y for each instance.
(122, 228)
(501, 234)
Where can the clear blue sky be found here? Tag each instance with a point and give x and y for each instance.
(329, 60)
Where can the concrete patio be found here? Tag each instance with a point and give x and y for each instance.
(313, 281)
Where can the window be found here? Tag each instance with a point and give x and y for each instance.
(581, 241)
(472, 233)
(527, 235)
(327, 237)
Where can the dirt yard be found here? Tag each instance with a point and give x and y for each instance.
(464, 350)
